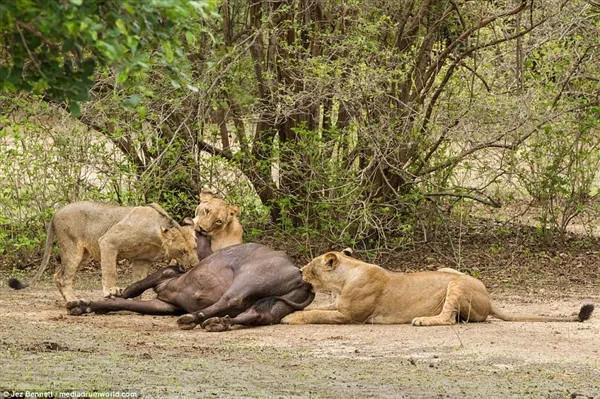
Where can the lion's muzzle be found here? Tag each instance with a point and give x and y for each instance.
(308, 274)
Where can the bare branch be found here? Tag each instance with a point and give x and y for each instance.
(122, 143)
(494, 143)
(439, 62)
(594, 3)
(211, 149)
(460, 17)
(478, 75)
(573, 70)
(434, 147)
(479, 198)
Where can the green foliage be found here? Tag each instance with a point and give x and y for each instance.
(559, 169)
(54, 47)
(345, 123)
(327, 205)
(44, 168)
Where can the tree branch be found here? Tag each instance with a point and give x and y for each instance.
(439, 62)
(493, 144)
(434, 148)
(569, 78)
(124, 145)
(479, 198)
(212, 150)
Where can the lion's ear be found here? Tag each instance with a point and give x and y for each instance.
(348, 251)
(206, 194)
(188, 221)
(331, 260)
(234, 210)
(165, 233)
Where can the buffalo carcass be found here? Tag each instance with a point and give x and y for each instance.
(247, 284)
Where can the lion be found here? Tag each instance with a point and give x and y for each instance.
(217, 220)
(368, 293)
(109, 233)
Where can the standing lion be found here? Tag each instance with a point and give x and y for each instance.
(109, 233)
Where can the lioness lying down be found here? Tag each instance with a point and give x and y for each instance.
(109, 233)
(369, 294)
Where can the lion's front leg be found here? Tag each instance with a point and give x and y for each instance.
(317, 317)
(444, 319)
(331, 306)
(108, 264)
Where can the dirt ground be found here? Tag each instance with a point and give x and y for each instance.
(42, 348)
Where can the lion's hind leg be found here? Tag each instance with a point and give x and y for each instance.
(466, 300)
(72, 256)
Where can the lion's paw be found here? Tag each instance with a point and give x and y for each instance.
(293, 318)
(216, 324)
(78, 308)
(187, 322)
(113, 292)
(419, 321)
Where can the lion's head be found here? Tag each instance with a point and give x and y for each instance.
(328, 271)
(180, 244)
(213, 215)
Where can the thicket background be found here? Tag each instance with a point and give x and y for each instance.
(395, 127)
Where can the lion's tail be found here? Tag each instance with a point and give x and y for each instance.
(584, 313)
(16, 284)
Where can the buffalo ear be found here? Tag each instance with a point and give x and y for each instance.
(188, 221)
(331, 260)
(234, 210)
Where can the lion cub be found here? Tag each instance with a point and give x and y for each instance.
(368, 293)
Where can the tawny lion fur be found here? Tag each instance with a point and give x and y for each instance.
(218, 221)
(368, 293)
(109, 233)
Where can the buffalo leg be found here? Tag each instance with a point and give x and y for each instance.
(217, 324)
(265, 312)
(152, 307)
(233, 298)
(138, 288)
(249, 318)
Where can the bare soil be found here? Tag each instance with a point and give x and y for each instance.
(42, 348)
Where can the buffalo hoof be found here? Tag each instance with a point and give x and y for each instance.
(216, 324)
(78, 308)
(187, 322)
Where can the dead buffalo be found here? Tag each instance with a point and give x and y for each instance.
(247, 284)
